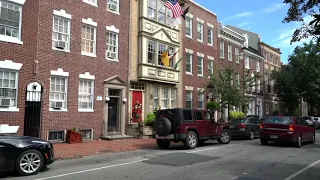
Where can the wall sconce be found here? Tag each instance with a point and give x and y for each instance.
(107, 99)
(124, 100)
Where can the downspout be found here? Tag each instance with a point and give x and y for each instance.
(129, 66)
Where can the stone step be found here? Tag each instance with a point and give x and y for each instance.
(116, 137)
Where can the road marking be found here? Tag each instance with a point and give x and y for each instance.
(302, 170)
(89, 170)
(200, 150)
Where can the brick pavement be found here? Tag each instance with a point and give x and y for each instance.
(93, 147)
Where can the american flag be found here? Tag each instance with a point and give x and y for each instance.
(174, 6)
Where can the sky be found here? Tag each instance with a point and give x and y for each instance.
(263, 17)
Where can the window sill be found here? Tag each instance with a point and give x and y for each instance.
(58, 110)
(210, 44)
(88, 54)
(200, 40)
(247, 67)
(10, 39)
(9, 109)
(199, 75)
(85, 110)
(189, 74)
(93, 4)
(56, 49)
(114, 60)
(190, 37)
(222, 58)
(115, 12)
(230, 60)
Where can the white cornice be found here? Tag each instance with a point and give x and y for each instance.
(7, 64)
(21, 2)
(62, 13)
(89, 21)
(59, 72)
(86, 75)
(112, 28)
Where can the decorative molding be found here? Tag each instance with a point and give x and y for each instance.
(189, 51)
(201, 89)
(112, 28)
(200, 20)
(210, 57)
(86, 75)
(88, 2)
(189, 88)
(7, 64)
(62, 13)
(89, 21)
(189, 15)
(200, 54)
(210, 25)
(59, 72)
(21, 2)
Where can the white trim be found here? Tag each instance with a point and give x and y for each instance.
(200, 54)
(62, 13)
(90, 22)
(115, 12)
(188, 88)
(230, 40)
(200, 20)
(59, 72)
(210, 57)
(11, 39)
(93, 4)
(253, 54)
(189, 51)
(7, 64)
(21, 2)
(85, 110)
(88, 54)
(210, 25)
(200, 89)
(189, 15)
(10, 109)
(58, 110)
(112, 28)
(86, 75)
(192, 1)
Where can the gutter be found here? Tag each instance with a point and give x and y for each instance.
(129, 63)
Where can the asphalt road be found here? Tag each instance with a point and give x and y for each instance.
(241, 160)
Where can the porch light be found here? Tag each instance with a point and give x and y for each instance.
(210, 87)
(124, 100)
(107, 99)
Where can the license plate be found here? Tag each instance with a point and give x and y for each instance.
(232, 126)
(274, 137)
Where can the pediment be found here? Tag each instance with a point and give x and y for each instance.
(115, 80)
(162, 34)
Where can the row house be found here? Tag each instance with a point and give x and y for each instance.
(200, 48)
(63, 65)
(152, 86)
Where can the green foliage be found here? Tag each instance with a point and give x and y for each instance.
(150, 119)
(236, 114)
(213, 105)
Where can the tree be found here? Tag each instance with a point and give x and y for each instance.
(297, 10)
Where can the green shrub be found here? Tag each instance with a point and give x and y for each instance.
(150, 119)
(236, 114)
(213, 105)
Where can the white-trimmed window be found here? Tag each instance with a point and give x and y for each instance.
(277, 61)
(61, 33)
(229, 52)
(189, 63)
(210, 36)
(189, 27)
(200, 100)
(253, 82)
(237, 53)
(86, 92)
(258, 84)
(266, 57)
(200, 31)
(155, 49)
(247, 62)
(165, 98)
(158, 12)
(267, 107)
(113, 5)
(112, 45)
(238, 80)
(200, 66)
(152, 55)
(167, 95)
(258, 66)
(173, 98)
(210, 67)
(222, 49)
(156, 103)
(188, 99)
(88, 38)
(10, 21)
(91, 2)
(271, 58)
(58, 92)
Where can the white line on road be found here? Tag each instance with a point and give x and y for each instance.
(200, 150)
(95, 169)
(302, 170)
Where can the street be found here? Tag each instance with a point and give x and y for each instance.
(241, 160)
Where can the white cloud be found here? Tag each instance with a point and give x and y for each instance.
(244, 23)
(240, 15)
(274, 7)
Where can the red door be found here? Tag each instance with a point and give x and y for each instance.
(136, 106)
(211, 128)
(200, 123)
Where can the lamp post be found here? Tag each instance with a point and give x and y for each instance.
(211, 89)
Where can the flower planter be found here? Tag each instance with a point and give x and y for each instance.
(73, 137)
(147, 130)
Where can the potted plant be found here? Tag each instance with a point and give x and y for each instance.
(148, 124)
(73, 136)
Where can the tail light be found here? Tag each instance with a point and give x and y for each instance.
(241, 125)
(260, 125)
(291, 128)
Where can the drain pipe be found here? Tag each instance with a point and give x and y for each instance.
(129, 66)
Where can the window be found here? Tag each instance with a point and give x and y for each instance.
(112, 45)
(198, 115)
(258, 66)
(189, 99)
(161, 49)
(57, 136)
(92, 2)
(165, 97)
(168, 97)
(247, 63)
(188, 27)
(61, 34)
(229, 52)
(210, 36)
(210, 68)
(8, 88)
(258, 85)
(58, 91)
(85, 99)
(222, 49)
(189, 63)
(200, 66)
(237, 53)
(200, 31)
(10, 22)
(170, 53)
(200, 100)
(152, 52)
(187, 115)
(156, 103)
(267, 108)
(231, 79)
(253, 82)
(238, 80)
(173, 98)
(158, 12)
(113, 5)
(154, 56)
(277, 61)
(88, 40)
(266, 57)
(247, 83)
(271, 58)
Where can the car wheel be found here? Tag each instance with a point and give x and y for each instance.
(163, 144)
(29, 162)
(313, 138)
(251, 135)
(298, 143)
(264, 141)
(191, 141)
(225, 137)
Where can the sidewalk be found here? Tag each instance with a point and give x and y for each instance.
(93, 147)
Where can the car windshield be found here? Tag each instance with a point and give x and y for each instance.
(237, 120)
(279, 120)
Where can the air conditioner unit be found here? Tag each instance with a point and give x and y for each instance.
(112, 7)
(112, 55)
(60, 44)
(5, 102)
(58, 105)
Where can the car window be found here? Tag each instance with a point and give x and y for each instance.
(255, 121)
(198, 115)
(207, 116)
(302, 122)
(279, 120)
(187, 115)
(237, 120)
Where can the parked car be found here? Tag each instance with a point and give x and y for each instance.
(288, 129)
(247, 127)
(190, 126)
(264, 118)
(311, 121)
(25, 155)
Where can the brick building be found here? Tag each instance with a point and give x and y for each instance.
(199, 34)
(64, 64)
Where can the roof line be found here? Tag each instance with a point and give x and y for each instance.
(192, 1)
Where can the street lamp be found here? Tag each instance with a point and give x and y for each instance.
(211, 91)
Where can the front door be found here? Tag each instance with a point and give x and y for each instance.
(200, 123)
(136, 106)
(113, 115)
(210, 126)
(33, 104)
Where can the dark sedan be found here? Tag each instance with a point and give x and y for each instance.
(244, 127)
(25, 155)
